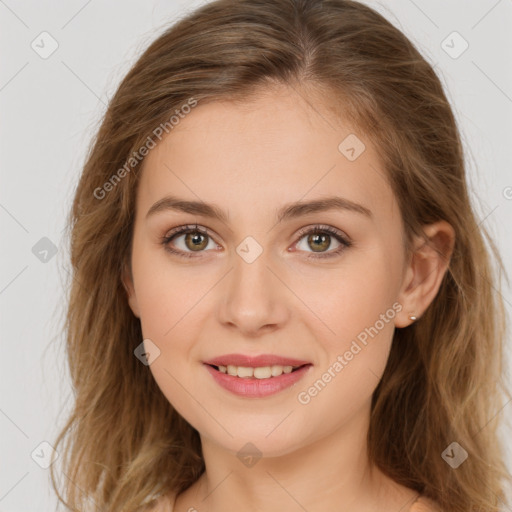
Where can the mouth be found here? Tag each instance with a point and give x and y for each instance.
(257, 382)
(259, 372)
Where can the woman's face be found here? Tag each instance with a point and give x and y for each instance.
(259, 283)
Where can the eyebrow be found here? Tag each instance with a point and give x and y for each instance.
(288, 211)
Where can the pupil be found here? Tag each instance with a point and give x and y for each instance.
(319, 238)
(195, 238)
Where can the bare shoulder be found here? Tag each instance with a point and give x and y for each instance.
(424, 504)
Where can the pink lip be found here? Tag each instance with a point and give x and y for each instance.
(250, 387)
(254, 361)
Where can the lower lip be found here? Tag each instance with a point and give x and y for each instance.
(250, 387)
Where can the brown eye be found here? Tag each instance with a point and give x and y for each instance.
(319, 239)
(196, 241)
(319, 242)
(185, 241)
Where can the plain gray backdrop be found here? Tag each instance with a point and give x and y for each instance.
(52, 99)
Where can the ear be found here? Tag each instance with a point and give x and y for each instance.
(127, 280)
(425, 271)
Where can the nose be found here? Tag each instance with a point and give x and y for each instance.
(254, 300)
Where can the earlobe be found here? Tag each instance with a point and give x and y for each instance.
(426, 269)
(127, 280)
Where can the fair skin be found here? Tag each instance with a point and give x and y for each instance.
(250, 161)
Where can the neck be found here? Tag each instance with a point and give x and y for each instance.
(332, 473)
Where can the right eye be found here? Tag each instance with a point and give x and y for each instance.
(195, 240)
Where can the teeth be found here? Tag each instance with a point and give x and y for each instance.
(263, 372)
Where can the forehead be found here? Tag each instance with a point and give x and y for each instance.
(277, 147)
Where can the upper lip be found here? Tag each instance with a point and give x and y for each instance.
(254, 361)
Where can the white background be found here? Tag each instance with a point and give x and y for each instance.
(49, 111)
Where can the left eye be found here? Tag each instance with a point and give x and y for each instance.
(320, 238)
(317, 239)
(196, 240)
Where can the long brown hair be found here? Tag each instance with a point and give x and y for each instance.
(444, 382)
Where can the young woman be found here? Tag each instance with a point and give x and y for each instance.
(282, 299)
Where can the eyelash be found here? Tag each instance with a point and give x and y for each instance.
(315, 230)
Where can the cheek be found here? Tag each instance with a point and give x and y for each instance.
(166, 291)
(357, 305)
(174, 307)
(346, 299)
(172, 314)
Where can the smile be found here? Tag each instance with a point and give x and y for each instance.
(257, 382)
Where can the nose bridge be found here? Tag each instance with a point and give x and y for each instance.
(254, 296)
